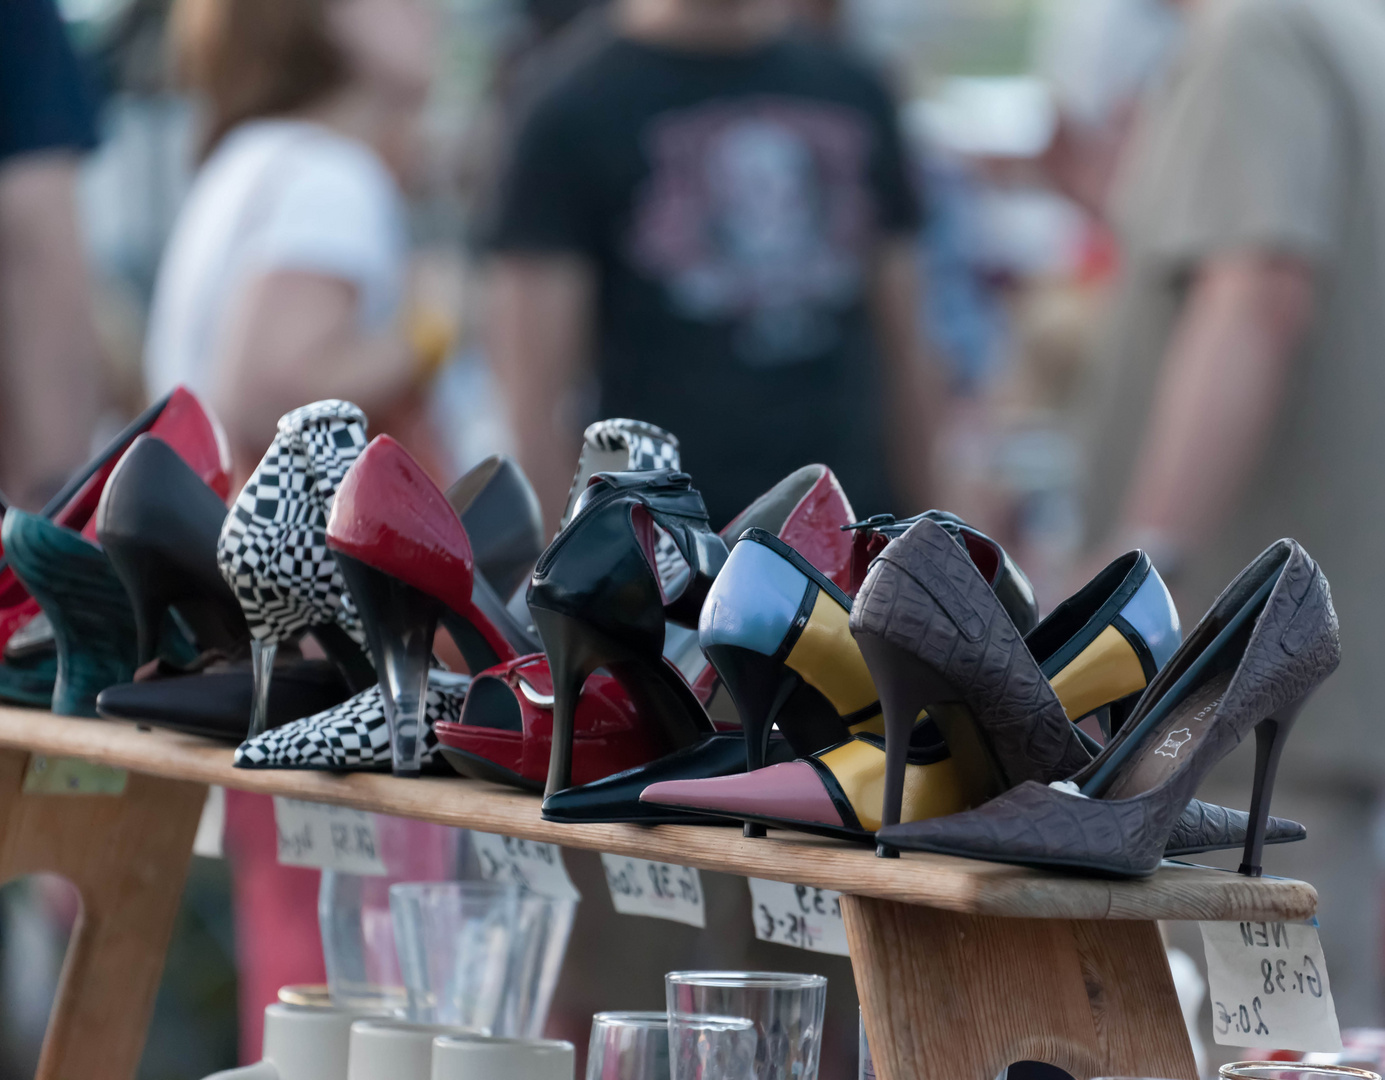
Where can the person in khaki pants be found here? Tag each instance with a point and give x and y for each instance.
(1247, 391)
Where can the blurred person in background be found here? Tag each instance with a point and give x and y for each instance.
(285, 277)
(1248, 390)
(50, 390)
(283, 283)
(706, 219)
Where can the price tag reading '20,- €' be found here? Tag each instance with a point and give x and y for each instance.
(1268, 985)
(803, 916)
(657, 889)
(327, 837)
(530, 864)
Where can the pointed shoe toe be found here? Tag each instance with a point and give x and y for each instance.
(791, 792)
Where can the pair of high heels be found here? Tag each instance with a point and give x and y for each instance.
(1268, 641)
(59, 561)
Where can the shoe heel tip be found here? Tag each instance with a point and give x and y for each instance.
(885, 851)
(754, 831)
(1246, 870)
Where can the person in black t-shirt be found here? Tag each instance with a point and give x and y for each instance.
(712, 216)
(49, 370)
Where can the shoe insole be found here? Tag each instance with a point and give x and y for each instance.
(1174, 739)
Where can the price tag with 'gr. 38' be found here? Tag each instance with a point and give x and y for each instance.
(327, 837)
(1268, 985)
(803, 916)
(656, 889)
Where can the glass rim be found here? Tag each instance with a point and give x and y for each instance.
(710, 1020)
(460, 888)
(501, 1040)
(631, 1018)
(1244, 1070)
(759, 980)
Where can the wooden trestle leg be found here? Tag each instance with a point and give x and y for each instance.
(959, 997)
(127, 855)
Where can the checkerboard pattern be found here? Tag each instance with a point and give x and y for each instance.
(353, 736)
(273, 548)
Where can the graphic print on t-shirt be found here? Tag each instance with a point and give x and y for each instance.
(757, 212)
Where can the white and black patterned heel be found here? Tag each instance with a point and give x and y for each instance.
(273, 547)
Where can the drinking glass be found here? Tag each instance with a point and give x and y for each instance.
(1289, 1070)
(628, 1046)
(542, 929)
(865, 1066)
(710, 1047)
(786, 1010)
(454, 940)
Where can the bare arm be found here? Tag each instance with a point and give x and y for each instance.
(912, 382)
(542, 310)
(294, 337)
(50, 384)
(1221, 388)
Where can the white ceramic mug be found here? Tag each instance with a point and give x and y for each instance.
(301, 1042)
(395, 1049)
(469, 1057)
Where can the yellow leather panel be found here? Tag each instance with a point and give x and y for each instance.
(829, 661)
(929, 790)
(1106, 670)
(871, 725)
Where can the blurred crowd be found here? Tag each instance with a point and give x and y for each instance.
(1095, 274)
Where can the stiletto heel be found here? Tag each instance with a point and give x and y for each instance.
(261, 671)
(400, 622)
(571, 658)
(1270, 737)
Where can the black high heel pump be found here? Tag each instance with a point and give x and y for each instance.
(158, 524)
(598, 600)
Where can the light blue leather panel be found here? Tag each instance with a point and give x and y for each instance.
(753, 600)
(1151, 612)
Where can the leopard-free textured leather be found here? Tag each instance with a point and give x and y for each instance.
(1209, 827)
(1292, 648)
(924, 594)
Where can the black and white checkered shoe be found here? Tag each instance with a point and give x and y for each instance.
(620, 445)
(353, 736)
(273, 548)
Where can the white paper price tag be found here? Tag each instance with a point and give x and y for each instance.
(327, 837)
(1268, 985)
(658, 889)
(803, 916)
(530, 864)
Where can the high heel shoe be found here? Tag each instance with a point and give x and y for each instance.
(1266, 644)
(409, 563)
(273, 546)
(620, 445)
(179, 420)
(598, 601)
(158, 524)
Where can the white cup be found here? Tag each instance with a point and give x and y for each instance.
(395, 1049)
(301, 1042)
(479, 1058)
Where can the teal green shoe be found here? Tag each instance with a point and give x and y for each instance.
(29, 681)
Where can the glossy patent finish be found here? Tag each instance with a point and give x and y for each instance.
(505, 731)
(388, 515)
(503, 520)
(806, 510)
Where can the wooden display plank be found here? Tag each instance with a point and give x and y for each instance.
(958, 885)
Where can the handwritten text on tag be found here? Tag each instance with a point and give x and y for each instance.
(71, 776)
(657, 889)
(327, 837)
(800, 915)
(1269, 986)
(530, 864)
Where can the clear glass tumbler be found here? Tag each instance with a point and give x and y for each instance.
(542, 929)
(786, 1009)
(628, 1046)
(1290, 1070)
(455, 940)
(710, 1047)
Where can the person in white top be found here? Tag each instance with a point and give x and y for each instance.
(283, 279)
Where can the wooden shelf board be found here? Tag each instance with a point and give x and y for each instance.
(960, 885)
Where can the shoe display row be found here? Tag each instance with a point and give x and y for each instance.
(884, 681)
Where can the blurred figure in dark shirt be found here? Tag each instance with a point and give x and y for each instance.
(708, 217)
(49, 357)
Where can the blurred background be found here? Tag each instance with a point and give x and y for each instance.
(1119, 264)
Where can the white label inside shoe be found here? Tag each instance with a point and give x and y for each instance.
(803, 916)
(659, 890)
(530, 864)
(327, 837)
(1268, 985)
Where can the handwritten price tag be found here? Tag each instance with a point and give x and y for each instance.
(530, 864)
(71, 776)
(803, 916)
(659, 890)
(1269, 986)
(327, 837)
